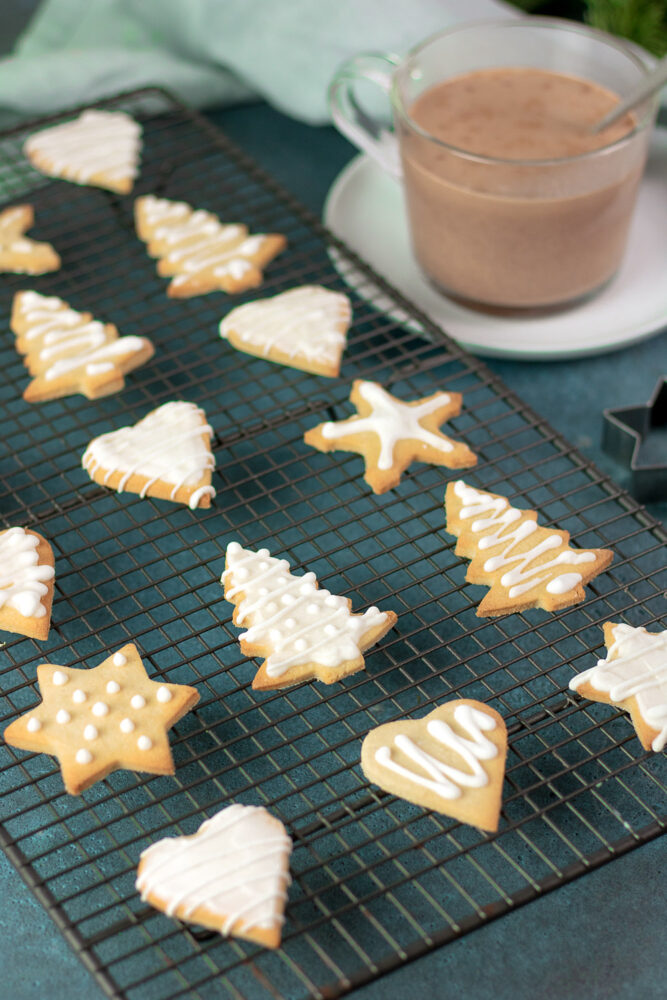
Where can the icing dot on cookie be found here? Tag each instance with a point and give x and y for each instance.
(63, 716)
(263, 591)
(330, 629)
(275, 635)
(113, 687)
(144, 743)
(331, 601)
(60, 678)
(271, 608)
(300, 644)
(263, 553)
(306, 588)
(126, 726)
(263, 566)
(119, 660)
(163, 694)
(90, 733)
(137, 701)
(83, 756)
(34, 725)
(100, 708)
(242, 573)
(233, 548)
(289, 623)
(312, 609)
(287, 599)
(78, 696)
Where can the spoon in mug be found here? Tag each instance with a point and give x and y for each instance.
(649, 85)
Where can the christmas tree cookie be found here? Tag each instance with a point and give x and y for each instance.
(390, 434)
(26, 583)
(198, 252)
(70, 352)
(303, 632)
(522, 564)
(18, 253)
(634, 677)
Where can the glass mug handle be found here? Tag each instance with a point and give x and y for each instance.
(361, 128)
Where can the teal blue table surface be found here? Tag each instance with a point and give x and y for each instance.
(600, 937)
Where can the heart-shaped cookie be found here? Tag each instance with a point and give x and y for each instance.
(304, 328)
(452, 761)
(231, 875)
(165, 455)
(26, 582)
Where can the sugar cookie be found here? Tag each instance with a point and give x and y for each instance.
(100, 148)
(230, 876)
(200, 253)
(523, 564)
(102, 719)
(304, 328)
(634, 677)
(303, 632)
(452, 760)
(167, 455)
(18, 253)
(26, 583)
(390, 434)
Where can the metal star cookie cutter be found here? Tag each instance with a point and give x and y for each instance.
(637, 437)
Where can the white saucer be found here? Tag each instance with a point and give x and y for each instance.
(365, 208)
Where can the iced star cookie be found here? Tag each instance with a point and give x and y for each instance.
(634, 677)
(102, 719)
(230, 876)
(302, 632)
(198, 252)
(304, 328)
(452, 761)
(523, 564)
(26, 583)
(100, 148)
(69, 352)
(390, 434)
(18, 253)
(167, 455)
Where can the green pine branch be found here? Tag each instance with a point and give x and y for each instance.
(641, 21)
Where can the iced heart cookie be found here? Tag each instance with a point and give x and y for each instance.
(303, 632)
(99, 720)
(390, 434)
(18, 253)
(69, 352)
(100, 148)
(523, 564)
(452, 761)
(26, 583)
(634, 677)
(304, 328)
(230, 876)
(166, 455)
(200, 253)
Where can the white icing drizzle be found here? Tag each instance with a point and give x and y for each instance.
(444, 779)
(59, 678)
(83, 756)
(302, 322)
(233, 865)
(22, 577)
(392, 421)
(635, 666)
(279, 607)
(523, 577)
(197, 240)
(169, 444)
(97, 142)
(58, 340)
(119, 660)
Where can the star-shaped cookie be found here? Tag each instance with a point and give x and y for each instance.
(101, 719)
(391, 434)
(18, 253)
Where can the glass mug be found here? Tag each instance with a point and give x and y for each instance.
(504, 232)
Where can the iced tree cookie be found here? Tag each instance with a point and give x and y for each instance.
(69, 352)
(230, 876)
(303, 632)
(390, 434)
(167, 455)
(523, 564)
(26, 583)
(452, 760)
(304, 328)
(198, 252)
(634, 677)
(100, 148)
(102, 719)
(18, 253)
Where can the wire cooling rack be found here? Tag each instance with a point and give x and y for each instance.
(377, 881)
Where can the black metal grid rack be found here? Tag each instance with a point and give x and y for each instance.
(377, 881)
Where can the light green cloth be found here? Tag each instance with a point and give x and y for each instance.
(211, 52)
